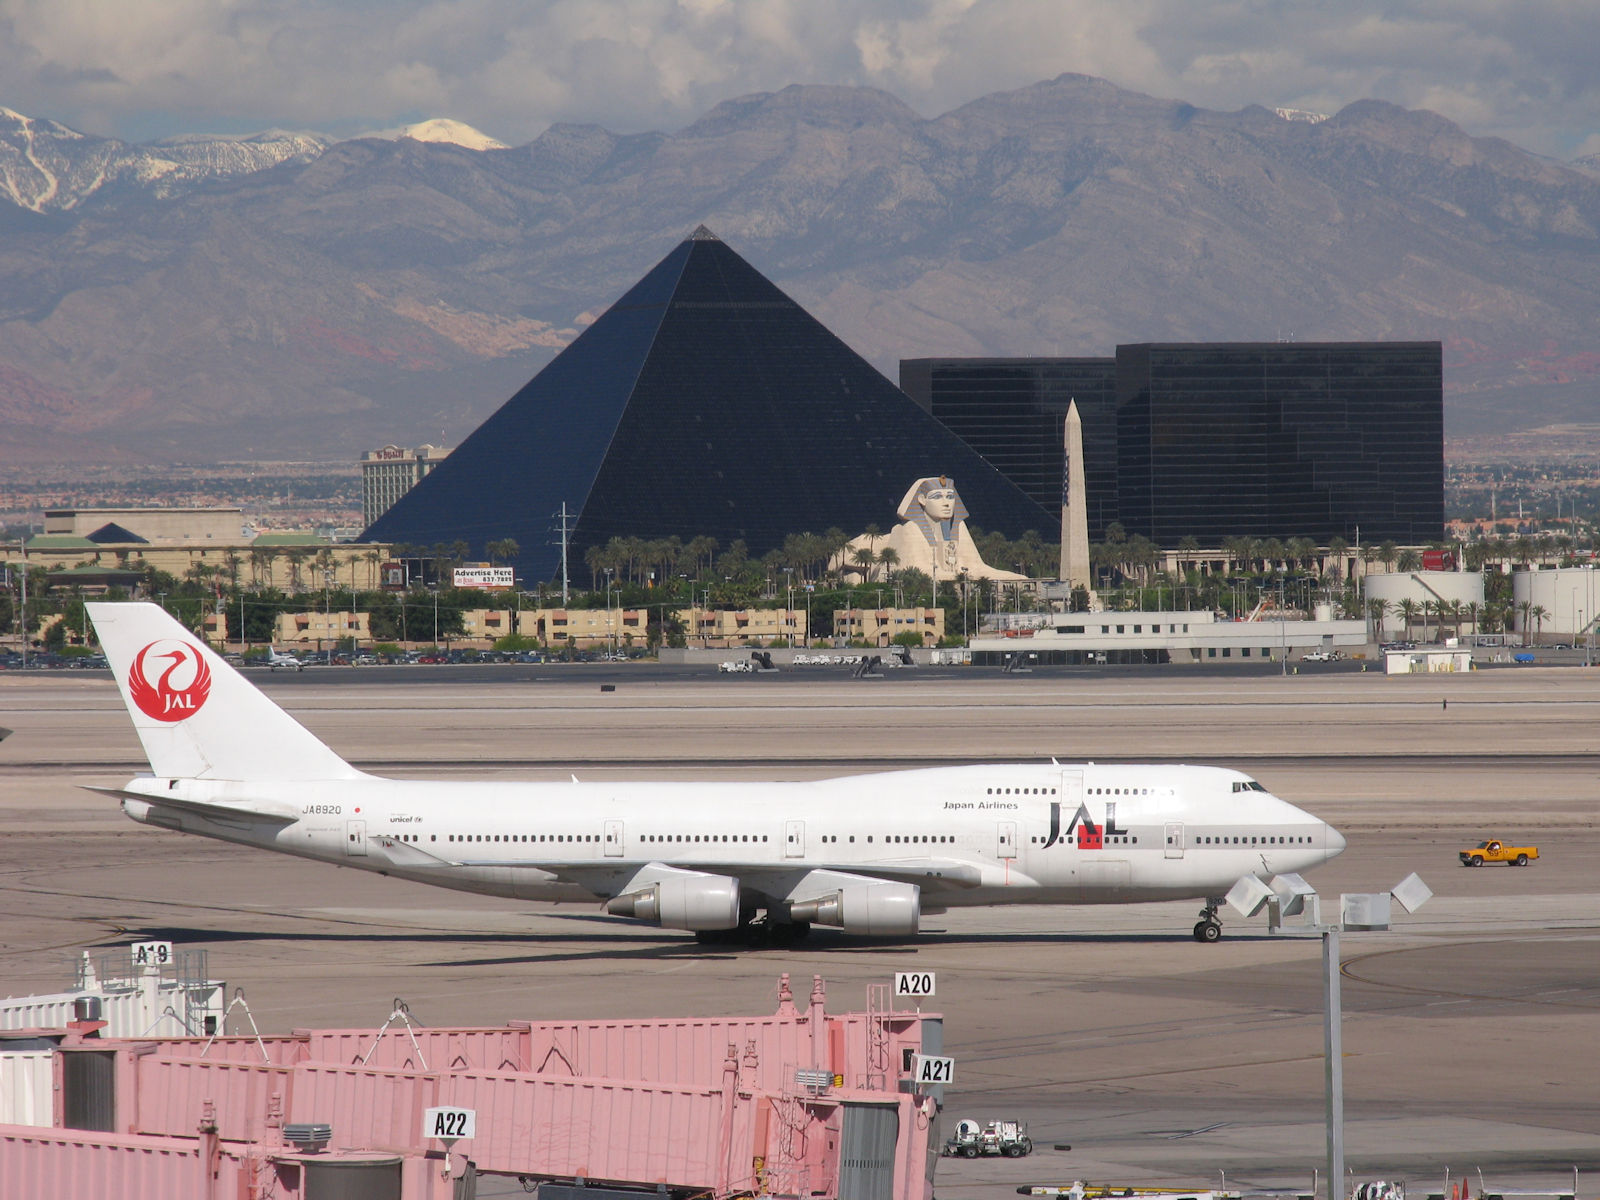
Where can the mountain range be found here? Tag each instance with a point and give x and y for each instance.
(289, 295)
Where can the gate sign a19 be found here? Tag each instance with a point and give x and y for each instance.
(151, 954)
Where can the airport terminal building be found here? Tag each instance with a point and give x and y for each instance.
(1216, 440)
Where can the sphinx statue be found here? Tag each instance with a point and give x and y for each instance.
(932, 536)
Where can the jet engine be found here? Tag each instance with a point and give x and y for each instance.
(683, 902)
(878, 909)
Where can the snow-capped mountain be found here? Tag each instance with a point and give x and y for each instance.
(48, 167)
(385, 286)
(457, 133)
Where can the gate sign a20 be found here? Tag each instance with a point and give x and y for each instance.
(449, 1124)
(929, 1069)
(913, 983)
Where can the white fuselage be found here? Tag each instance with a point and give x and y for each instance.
(1008, 834)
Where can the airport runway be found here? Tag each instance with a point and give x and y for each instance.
(1472, 1031)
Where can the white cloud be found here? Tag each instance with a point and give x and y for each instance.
(1525, 69)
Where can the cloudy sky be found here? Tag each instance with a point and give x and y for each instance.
(1527, 70)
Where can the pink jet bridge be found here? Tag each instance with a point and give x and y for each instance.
(799, 1104)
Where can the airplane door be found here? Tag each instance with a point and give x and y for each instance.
(355, 839)
(794, 839)
(613, 839)
(1174, 839)
(1007, 837)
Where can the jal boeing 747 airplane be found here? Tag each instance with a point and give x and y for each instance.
(869, 854)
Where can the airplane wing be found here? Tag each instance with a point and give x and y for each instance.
(615, 878)
(932, 875)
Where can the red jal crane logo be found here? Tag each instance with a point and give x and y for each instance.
(178, 691)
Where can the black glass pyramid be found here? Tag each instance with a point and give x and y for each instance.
(705, 401)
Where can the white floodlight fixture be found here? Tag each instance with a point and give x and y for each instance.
(1248, 895)
(1292, 892)
(1364, 911)
(1411, 893)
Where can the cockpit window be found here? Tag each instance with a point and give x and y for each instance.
(1247, 785)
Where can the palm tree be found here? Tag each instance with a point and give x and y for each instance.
(1538, 612)
(863, 559)
(1387, 553)
(297, 558)
(1338, 549)
(1450, 610)
(1410, 560)
(1524, 607)
(595, 559)
(873, 533)
(890, 558)
(260, 564)
(1408, 613)
(1376, 611)
(502, 548)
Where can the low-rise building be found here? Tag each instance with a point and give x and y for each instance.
(880, 626)
(1132, 637)
(584, 628)
(320, 628)
(723, 627)
(149, 526)
(95, 549)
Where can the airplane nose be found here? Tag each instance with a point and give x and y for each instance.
(1332, 841)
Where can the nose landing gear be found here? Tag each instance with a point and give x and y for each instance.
(1208, 928)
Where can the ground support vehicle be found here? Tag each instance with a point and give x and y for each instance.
(1495, 850)
(971, 1140)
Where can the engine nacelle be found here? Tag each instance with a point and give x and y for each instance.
(683, 902)
(876, 909)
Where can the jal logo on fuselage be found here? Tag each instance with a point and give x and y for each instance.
(1089, 835)
(181, 682)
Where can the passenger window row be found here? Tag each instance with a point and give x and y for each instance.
(524, 837)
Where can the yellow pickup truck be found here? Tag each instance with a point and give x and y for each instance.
(1497, 851)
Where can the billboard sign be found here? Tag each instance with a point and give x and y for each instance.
(489, 579)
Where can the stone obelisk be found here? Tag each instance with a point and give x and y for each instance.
(1074, 506)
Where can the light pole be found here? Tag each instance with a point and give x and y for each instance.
(22, 624)
(1290, 895)
(965, 636)
(610, 621)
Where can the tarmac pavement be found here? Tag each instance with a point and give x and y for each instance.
(1471, 1031)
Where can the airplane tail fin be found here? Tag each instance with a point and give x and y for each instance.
(197, 717)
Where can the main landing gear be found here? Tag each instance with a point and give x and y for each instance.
(1208, 928)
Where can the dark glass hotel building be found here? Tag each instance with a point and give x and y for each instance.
(1216, 440)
